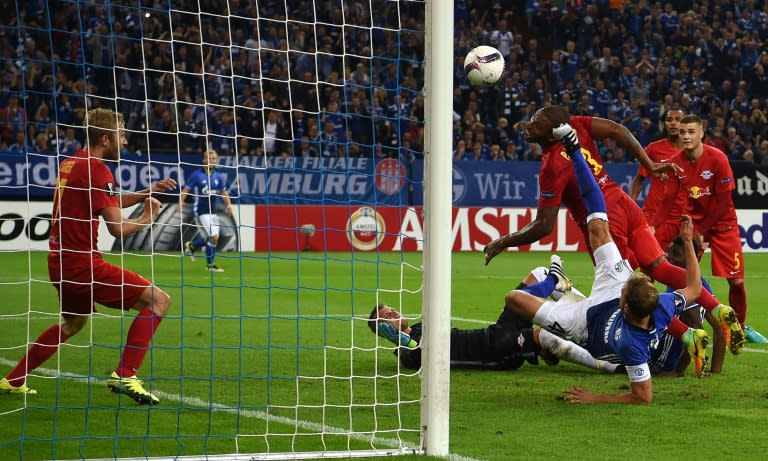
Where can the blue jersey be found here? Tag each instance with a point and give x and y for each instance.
(206, 190)
(666, 355)
(612, 338)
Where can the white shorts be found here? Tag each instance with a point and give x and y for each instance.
(209, 225)
(567, 317)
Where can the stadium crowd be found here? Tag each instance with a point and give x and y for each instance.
(337, 80)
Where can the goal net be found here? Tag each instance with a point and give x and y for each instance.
(316, 110)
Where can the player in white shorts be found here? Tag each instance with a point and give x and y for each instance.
(206, 186)
(624, 317)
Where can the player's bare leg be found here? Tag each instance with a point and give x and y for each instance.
(152, 306)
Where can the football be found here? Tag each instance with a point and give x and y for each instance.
(484, 66)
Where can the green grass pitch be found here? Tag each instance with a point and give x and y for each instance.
(240, 349)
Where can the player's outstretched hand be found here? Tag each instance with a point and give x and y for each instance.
(493, 249)
(686, 228)
(575, 394)
(660, 170)
(164, 185)
(397, 337)
(151, 209)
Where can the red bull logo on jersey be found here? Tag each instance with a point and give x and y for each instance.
(697, 192)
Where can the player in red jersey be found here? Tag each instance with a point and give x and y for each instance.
(703, 191)
(85, 191)
(660, 151)
(627, 223)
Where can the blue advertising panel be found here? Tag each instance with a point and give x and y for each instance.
(509, 184)
(318, 180)
(273, 180)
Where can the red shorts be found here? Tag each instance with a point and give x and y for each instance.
(630, 231)
(83, 281)
(666, 232)
(727, 253)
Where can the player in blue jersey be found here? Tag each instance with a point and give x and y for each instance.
(624, 315)
(206, 186)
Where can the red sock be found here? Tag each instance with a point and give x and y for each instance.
(136, 345)
(41, 350)
(737, 296)
(677, 328)
(674, 276)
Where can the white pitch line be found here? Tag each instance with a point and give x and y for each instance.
(221, 408)
(217, 407)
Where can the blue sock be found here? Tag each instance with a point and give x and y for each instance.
(541, 289)
(197, 243)
(591, 195)
(210, 252)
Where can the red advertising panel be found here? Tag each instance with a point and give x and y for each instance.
(363, 228)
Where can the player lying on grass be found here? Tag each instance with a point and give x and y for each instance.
(622, 318)
(504, 345)
(627, 224)
(672, 358)
(85, 191)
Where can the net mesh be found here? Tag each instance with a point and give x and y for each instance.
(315, 110)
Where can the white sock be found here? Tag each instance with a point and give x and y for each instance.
(572, 352)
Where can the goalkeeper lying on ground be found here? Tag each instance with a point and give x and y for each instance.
(504, 345)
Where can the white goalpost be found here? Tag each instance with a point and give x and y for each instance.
(332, 121)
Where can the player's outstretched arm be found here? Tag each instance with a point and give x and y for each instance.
(183, 197)
(603, 128)
(119, 226)
(533, 232)
(227, 200)
(693, 285)
(128, 199)
(640, 392)
(718, 344)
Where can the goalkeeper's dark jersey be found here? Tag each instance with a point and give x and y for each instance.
(504, 345)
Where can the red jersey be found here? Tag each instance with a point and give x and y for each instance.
(84, 187)
(557, 181)
(697, 187)
(660, 152)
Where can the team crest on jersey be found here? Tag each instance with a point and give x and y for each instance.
(619, 266)
(110, 189)
(706, 174)
(698, 192)
(617, 334)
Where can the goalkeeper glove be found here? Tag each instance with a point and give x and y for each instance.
(397, 337)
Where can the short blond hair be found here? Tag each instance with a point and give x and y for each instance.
(641, 295)
(101, 122)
